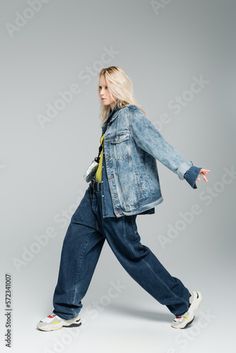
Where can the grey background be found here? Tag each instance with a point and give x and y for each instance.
(163, 48)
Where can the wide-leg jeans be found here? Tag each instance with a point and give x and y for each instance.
(81, 249)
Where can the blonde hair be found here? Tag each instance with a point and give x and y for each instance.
(120, 86)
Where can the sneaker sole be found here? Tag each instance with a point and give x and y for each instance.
(48, 328)
(74, 324)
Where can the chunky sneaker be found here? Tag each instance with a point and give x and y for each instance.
(54, 322)
(184, 320)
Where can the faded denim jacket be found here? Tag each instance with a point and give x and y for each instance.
(132, 144)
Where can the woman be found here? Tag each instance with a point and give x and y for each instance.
(125, 184)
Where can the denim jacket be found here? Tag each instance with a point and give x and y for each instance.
(131, 146)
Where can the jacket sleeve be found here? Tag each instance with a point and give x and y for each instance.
(191, 176)
(149, 138)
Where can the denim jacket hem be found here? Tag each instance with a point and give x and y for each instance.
(144, 207)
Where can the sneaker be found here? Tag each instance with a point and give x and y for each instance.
(54, 322)
(182, 321)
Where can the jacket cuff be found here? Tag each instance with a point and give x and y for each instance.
(184, 166)
(191, 176)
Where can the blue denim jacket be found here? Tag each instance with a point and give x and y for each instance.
(130, 178)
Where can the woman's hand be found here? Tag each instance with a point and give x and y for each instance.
(203, 172)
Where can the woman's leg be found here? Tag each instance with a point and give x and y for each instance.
(81, 248)
(143, 266)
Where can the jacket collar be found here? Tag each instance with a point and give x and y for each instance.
(112, 116)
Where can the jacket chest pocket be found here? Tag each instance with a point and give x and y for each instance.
(120, 137)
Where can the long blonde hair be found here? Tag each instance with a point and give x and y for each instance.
(120, 86)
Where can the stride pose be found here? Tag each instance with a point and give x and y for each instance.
(123, 183)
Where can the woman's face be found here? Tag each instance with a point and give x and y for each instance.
(105, 96)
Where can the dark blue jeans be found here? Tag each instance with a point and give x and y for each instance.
(82, 246)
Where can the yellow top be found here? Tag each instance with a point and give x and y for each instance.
(98, 175)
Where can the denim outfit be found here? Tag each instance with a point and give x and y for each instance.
(93, 222)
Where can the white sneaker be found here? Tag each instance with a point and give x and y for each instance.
(54, 322)
(187, 318)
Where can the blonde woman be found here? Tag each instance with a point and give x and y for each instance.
(124, 184)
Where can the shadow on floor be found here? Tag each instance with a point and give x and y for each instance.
(141, 313)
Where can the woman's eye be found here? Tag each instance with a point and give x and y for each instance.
(100, 87)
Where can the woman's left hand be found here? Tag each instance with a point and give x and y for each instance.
(203, 172)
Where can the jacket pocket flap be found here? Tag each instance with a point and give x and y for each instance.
(120, 137)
